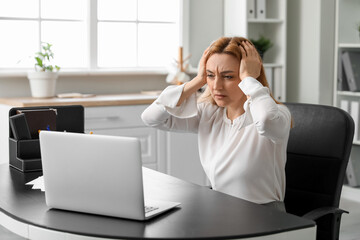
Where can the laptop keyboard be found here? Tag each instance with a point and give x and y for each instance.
(149, 209)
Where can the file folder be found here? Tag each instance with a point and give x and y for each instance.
(261, 9)
(251, 10)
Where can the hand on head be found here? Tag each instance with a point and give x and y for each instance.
(202, 66)
(250, 64)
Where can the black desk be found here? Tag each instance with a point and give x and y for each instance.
(204, 213)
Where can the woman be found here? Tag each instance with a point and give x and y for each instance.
(242, 130)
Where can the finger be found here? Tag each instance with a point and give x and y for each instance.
(242, 50)
(250, 49)
(254, 51)
(206, 51)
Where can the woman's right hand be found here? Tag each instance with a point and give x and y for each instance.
(196, 83)
(201, 75)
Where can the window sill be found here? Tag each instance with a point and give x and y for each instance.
(98, 72)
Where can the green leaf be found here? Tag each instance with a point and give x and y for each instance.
(43, 58)
(39, 61)
(262, 44)
(49, 68)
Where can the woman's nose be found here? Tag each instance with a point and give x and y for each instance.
(218, 83)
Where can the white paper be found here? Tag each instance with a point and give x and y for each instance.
(37, 183)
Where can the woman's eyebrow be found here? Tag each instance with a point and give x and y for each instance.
(225, 72)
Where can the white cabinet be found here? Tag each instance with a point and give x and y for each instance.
(271, 23)
(182, 150)
(172, 153)
(347, 38)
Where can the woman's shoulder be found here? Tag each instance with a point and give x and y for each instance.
(284, 108)
(208, 109)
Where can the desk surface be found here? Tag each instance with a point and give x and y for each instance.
(204, 213)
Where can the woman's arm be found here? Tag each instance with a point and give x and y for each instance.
(271, 119)
(176, 107)
(165, 115)
(196, 83)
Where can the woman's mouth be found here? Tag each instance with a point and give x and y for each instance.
(219, 96)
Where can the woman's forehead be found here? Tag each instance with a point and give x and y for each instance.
(222, 62)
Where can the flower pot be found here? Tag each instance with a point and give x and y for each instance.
(42, 84)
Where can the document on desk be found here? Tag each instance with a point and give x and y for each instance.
(37, 183)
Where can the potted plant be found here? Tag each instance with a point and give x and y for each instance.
(262, 45)
(43, 79)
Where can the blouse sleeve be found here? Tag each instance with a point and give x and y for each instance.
(271, 119)
(164, 114)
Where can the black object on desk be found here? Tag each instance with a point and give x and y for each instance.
(39, 119)
(204, 213)
(24, 152)
(20, 127)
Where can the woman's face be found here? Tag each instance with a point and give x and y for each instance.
(223, 78)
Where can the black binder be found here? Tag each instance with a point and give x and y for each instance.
(351, 64)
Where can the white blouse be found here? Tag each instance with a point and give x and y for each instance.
(245, 157)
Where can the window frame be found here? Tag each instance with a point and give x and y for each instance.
(92, 52)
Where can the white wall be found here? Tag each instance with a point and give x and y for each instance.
(206, 25)
(310, 54)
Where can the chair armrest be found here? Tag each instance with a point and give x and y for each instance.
(320, 212)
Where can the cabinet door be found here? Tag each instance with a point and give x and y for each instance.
(147, 138)
(113, 117)
(183, 157)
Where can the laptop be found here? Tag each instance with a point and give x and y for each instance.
(96, 174)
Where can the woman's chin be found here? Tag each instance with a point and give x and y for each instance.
(220, 103)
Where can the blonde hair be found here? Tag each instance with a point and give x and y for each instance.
(230, 45)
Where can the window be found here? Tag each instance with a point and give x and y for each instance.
(90, 34)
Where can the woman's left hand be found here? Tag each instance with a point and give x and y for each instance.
(250, 64)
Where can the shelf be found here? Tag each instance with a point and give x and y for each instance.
(349, 45)
(92, 72)
(272, 25)
(348, 93)
(267, 20)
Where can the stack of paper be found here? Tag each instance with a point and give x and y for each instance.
(37, 183)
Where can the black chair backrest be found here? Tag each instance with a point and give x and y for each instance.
(317, 155)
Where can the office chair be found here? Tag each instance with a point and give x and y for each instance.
(317, 156)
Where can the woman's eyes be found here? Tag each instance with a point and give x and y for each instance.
(225, 76)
